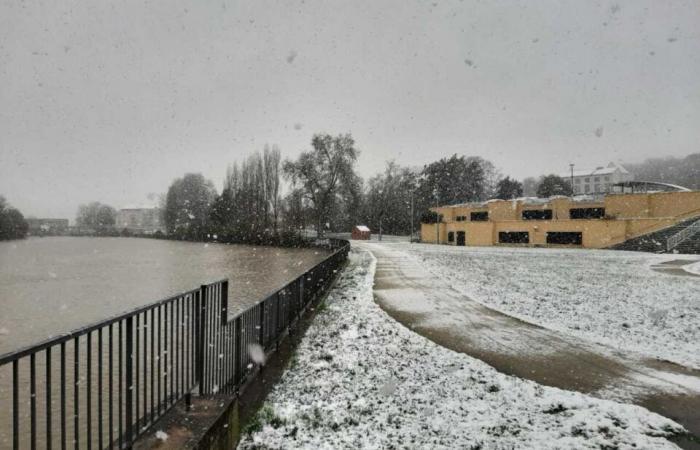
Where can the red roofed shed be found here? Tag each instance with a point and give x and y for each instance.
(361, 232)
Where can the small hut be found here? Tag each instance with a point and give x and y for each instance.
(361, 232)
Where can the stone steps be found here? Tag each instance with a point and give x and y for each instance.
(656, 242)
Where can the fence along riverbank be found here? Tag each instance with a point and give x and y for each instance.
(105, 384)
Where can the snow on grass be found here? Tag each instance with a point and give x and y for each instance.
(693, 268)
(604, 296)
(361, 380)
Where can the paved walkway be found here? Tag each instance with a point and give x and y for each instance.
(430, 307)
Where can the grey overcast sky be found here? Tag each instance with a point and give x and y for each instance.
(111, 101)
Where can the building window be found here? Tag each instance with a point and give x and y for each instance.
(480, 216)
(588, 188)
(450, 236)
(586, 213)
(607, 178)
(564, 238)
(577, 181)
(597, 188)
(588, 180)
(514, 237)
(461, 218)
(537, 214)
(596, 179)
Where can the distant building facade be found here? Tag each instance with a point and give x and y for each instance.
(598, 181)
(141, 219)
(47, 226)
(583, 221)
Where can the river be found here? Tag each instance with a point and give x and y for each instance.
(53, 285)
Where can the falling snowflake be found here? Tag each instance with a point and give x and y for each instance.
(257, 354)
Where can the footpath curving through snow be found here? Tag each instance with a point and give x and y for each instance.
(609, 297)
(359, 379)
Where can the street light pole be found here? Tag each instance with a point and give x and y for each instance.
(410, 239)
(572, 179)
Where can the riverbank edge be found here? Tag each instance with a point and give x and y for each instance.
(217, 423)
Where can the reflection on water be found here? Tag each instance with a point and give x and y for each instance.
(53, 285)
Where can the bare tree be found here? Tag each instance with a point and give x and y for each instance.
(322, 172)
(271, 159)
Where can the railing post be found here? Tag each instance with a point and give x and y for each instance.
(129, 409)
(201, 320)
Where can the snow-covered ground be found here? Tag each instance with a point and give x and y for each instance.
(610, 297)
(361, 380)
(693, 268)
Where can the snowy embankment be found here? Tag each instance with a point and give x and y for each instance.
(610, 297)
(361, 380)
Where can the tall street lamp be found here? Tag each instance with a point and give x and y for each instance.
(572, 179)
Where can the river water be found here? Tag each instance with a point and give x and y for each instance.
(52, 285)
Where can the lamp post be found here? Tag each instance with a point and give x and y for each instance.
(572, 178)
(410, 238)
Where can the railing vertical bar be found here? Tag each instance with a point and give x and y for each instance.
(63, 396)
(220, 327)
(188, 371)
(129, 407)
(110, 396)
(171, 358)
(159, 357)
(153, 364)
(32, 400)
(166, 356)
(277, 321)
(261, 331)
(15, 404)
(143, 420)
(229, 357)
(208, 325)
(120, 400)
(136, 388)
(176, 345)
(100, 414)
(166, 377)
(200, 337)
(76, 392)
(48, 398)
(89, 391)
(238, 342)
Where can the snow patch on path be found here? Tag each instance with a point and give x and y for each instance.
(361, 380)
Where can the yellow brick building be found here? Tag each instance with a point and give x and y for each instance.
(577, 221)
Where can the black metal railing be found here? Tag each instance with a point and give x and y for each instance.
(103, 385)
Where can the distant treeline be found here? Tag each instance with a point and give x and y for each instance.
(12, 222)
(325, 193)
(680, 171)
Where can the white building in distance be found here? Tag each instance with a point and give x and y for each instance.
(599, 180)
(140, 218)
